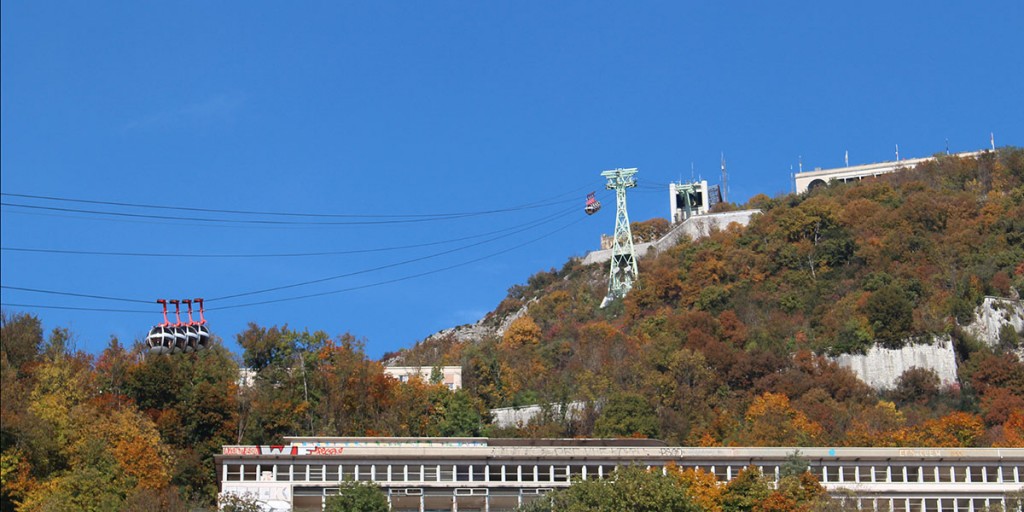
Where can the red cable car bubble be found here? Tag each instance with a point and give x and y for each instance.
(161, 337)
(593, 205)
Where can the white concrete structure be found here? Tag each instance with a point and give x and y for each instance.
(451, 376)
(506, 417)
(819, 177)
(881, 367)
(499, 474)
(695, 227)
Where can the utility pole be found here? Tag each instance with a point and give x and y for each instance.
(623, 263)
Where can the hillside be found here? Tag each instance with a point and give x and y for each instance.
(722, 330)
(724, 341)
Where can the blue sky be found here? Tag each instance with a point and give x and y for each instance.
(426, 108)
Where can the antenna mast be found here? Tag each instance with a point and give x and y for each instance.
(725, 181)
(623, 262)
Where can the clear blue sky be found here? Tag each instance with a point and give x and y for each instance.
(420, 108)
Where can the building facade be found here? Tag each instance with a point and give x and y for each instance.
(484, 474)
(450, 376)
(804, 181)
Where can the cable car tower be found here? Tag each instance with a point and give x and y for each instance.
(623, 262)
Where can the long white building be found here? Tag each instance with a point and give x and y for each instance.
(804, 181)
(499, 474)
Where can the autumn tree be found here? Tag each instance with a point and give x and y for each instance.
(631, 489)
(357, 497)
(627, 415)
(772, 421)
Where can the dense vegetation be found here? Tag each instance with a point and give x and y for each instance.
(122, 431)
(723, 342)
(635, 489)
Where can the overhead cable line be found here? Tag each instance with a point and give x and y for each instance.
(104, 310)
(393, 218)
(519, 229)
(72, 294)
(399, 279)
(320, 294)
(259, 255)
(396, 264)
(247, 221)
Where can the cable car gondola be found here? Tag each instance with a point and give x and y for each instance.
(593, 205)
(160, 339)
(180, 338)
(191, 330)
(201, 329)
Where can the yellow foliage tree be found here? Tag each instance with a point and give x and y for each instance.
(772, 421)
(957, 429)
(522, 331)
(1013, 431)
(701, 485)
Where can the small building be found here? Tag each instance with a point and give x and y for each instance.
(450, 376)
(689, 199)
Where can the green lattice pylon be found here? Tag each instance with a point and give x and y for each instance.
(623, 263)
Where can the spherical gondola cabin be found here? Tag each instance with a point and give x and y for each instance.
(593, 205)
(204, 337)
(178, 328)
(204, 332)
(160, 339)
(191, 331)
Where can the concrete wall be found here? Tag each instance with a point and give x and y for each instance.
(519, 416)
(881, 367)
(695, 227)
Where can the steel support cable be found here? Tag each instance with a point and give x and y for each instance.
(72, 308)
(258, 222)
(399, 279)
(396, 264)
(551, 201)
(332, 292)
(72, 294)
(264, 255)
(521, 229)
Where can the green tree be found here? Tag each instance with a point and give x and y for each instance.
(21, 338)
(629, 489)
(460, 417)
(627, 415)
(891, 315)
(358, 497)
(746, 491)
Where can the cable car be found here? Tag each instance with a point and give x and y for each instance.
(179, 329)
(179, 337)
(160, 339)
(191, 330)
(593, 205)
(201, 329)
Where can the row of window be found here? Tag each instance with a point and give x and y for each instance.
(283, 472)
(928, 504)
(918, 473)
